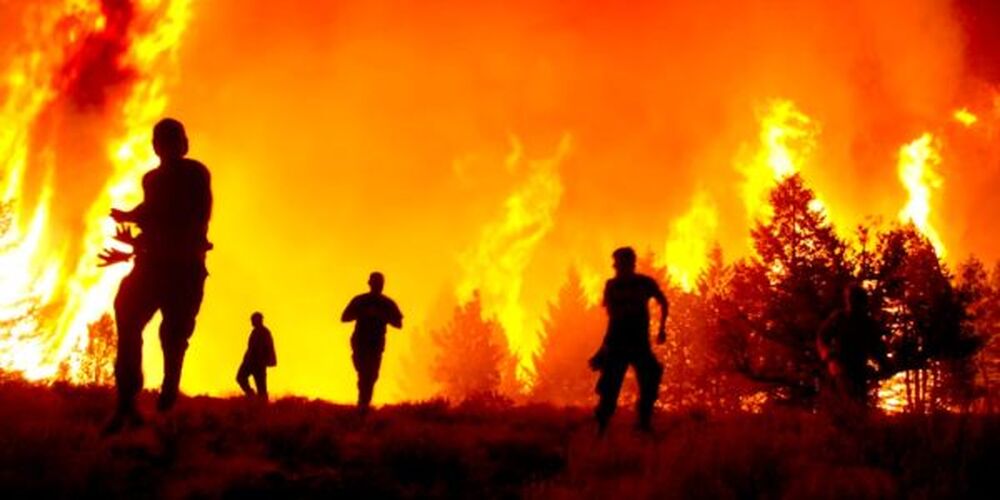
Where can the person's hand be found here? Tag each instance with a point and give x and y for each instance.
(124, 234)
(112, 256)
(661, 336)
(120, 215)
(596, 361)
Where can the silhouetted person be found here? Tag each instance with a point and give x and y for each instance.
(846, 341)
(169, 272)
(371, 312)
(626, 299)
(259, 356)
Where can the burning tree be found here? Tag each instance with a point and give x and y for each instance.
(781, 296)
(473, 359)
(931, 338)
(986, 315)
(696, 364)
(572, 333)
(99, 357)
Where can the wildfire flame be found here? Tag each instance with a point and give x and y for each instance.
(786, 139)
(495, 267)
(916, 171)
(687, 249)
(40, 275)
(367, 125)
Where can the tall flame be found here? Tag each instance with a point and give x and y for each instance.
(689, 241)
(787, 137)
(37, 273)
(496, 266)
(917, 160)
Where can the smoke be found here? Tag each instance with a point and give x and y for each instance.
(346, 137)
(357, 136)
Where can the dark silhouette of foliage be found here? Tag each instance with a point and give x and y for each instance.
(472, 354)
(782, 295)
(697, 362)
(987, 319)
(572, 332)
(923, 314)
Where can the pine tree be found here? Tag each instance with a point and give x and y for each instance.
(961, 383)
(988, 359)
(472, 354)
(782, 295)
(572, 331)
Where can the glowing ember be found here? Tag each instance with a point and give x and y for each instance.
(892, 394)
(965, 117)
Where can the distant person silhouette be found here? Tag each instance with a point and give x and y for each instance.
(846, 342)
(258, 358)
(169, 272)
(371, 312)
(626, 299)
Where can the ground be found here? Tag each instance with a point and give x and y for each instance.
(50, 446)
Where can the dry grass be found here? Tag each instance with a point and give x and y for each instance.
(216, 448)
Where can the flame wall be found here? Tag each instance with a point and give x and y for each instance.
(440, 142)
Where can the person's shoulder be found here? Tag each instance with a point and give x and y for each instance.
(195, 166)
(644, 280)
(151, 174)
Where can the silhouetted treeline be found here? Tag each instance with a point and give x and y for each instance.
(746, 335)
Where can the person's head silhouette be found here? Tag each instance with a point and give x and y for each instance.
(170, 142)
(376, 282)
(257, 320)
(624, 261)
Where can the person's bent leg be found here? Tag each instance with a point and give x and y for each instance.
(134, 307)
(649, 373)
(243, 379)
(181, 303)
(609, 385)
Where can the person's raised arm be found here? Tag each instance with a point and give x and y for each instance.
(137, 213)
